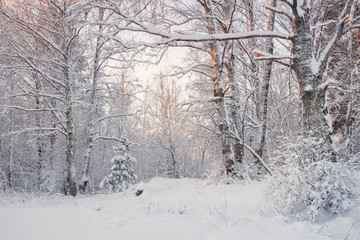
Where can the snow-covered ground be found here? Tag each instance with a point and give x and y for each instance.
(167, 209)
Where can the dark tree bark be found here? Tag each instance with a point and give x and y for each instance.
(310, 70)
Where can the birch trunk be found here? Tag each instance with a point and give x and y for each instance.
(219, 93)
(254, 66)
(39, 145)
(235, 111)
(171, 163)
(234, 102)
(70, 164)
(90, 126)
(269, 43)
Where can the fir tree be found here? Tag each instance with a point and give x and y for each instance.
(122, 175)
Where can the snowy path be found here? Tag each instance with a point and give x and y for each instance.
(168, 209)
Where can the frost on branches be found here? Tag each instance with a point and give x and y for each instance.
(307, 183)
(122, 175)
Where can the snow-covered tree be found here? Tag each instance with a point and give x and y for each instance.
(52, 55)
(122, 175)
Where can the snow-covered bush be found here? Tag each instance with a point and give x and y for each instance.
(240, 174)
(307, 183)
(49, 182)
(122, 175)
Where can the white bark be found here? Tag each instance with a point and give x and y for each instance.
(39, 132)
(219, 92)
(269, 44)
(92, 109)
(70, 164)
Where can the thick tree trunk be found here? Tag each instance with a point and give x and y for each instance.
(315, 117)
(227, 149)
(350, 105)
(235, 110)
(312, 94)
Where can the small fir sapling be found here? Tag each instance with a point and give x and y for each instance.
(122, 175)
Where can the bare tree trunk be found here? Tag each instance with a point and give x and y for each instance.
(313, 96)
(171, 163)
(90, 127)
(234, 101)
(349, 114)
(70, 164)
(12, 142)
(219, 93)
(39, 150)
(254, 66)
(316, 119)
(235, 111)
(266, 81)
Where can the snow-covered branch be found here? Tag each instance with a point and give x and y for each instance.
(288, 2)
(278, 10)
(108, 138)
(110, 116)
(139, 26)
(262, 55)
(228, 36)
(25, 130)
(253, 152)
(324, 56)
(30, 109)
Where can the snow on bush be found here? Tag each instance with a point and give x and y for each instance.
(307, 183)
(240, 174)
(122, 175)
(49, 181)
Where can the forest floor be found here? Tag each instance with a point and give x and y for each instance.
(170, 209)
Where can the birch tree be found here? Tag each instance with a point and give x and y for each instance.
(54, 28)
(310, 65)
(269, 45)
